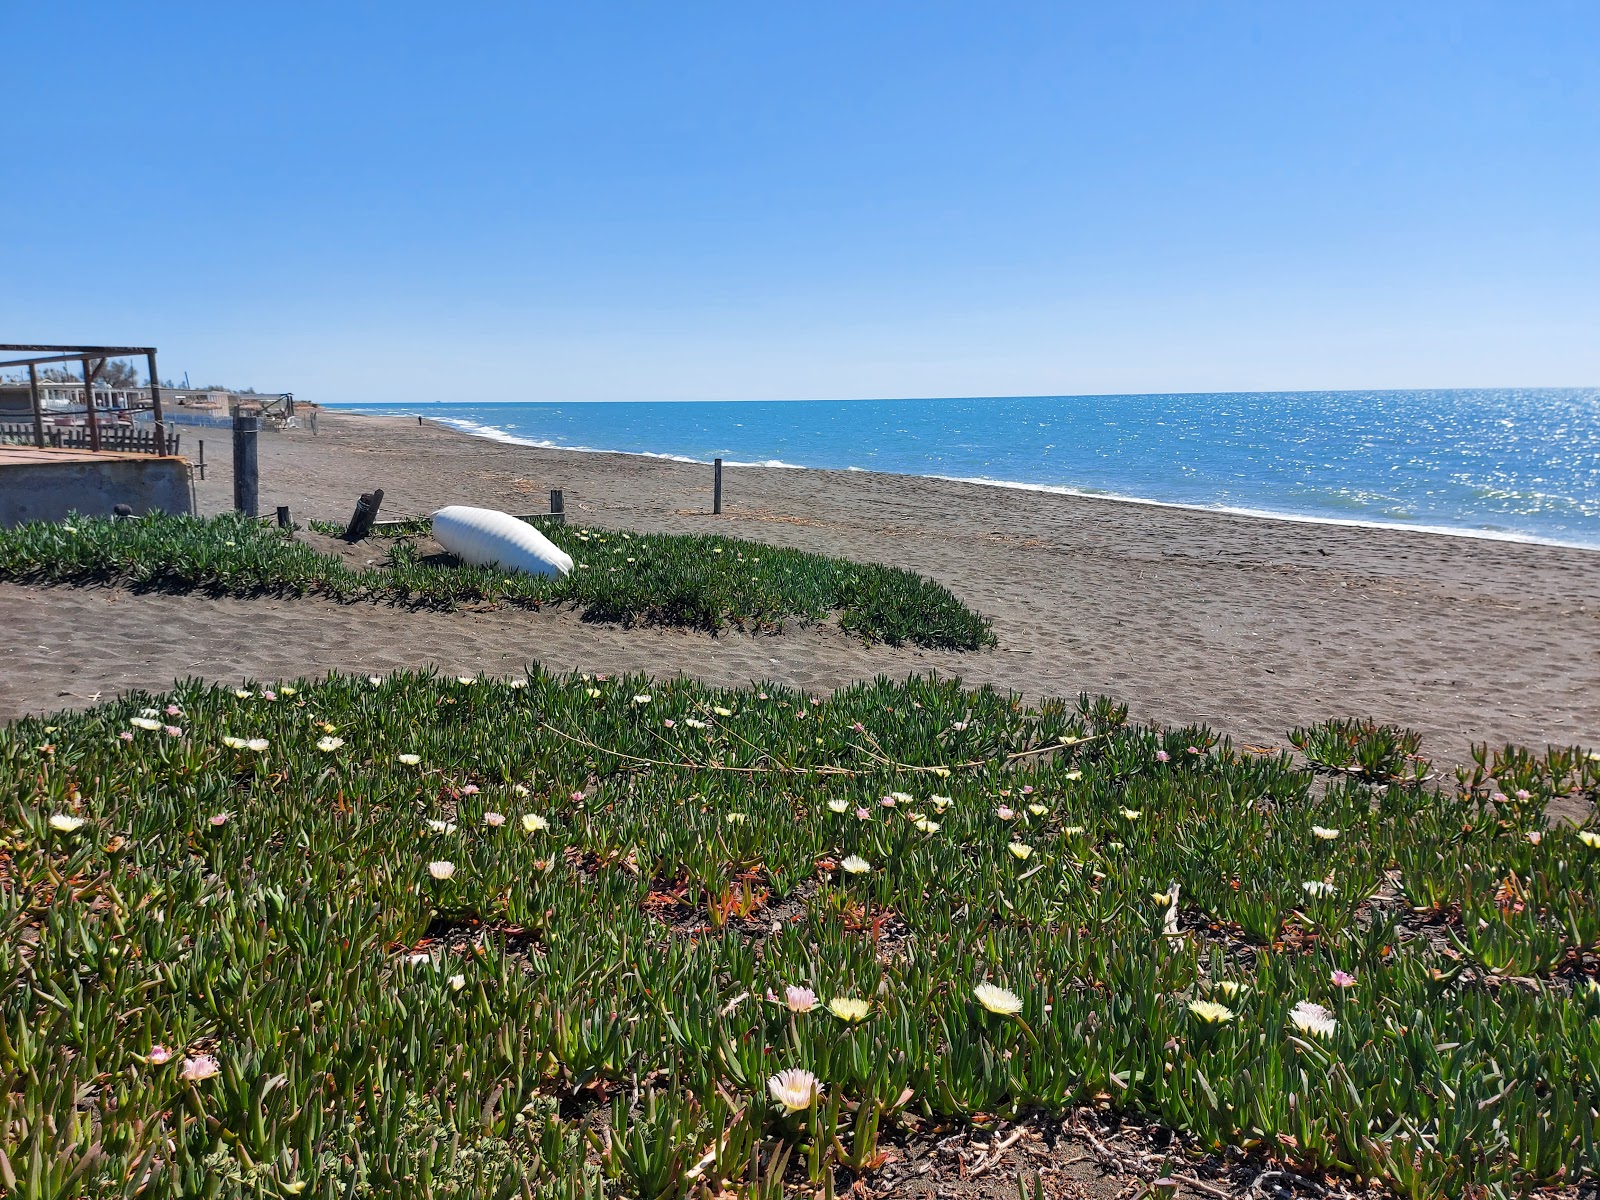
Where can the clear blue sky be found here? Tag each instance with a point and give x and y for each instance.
(705, 201)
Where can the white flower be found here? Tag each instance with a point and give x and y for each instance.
(256, 744)
(329, 744)
(494, 820)
(594, 693)
(63, 823)
(144, 723)
(928, 826)
(1317, 889)
(409, 760)
(517, 684)
(643, 698)
(1020, 850)
(1071, 830)
(1132, 814)
(534, 823)
(1230, 987)
(998, 999)
(442, 869)
(242, 693)
(457, 982)
(856, 865)
(694, 724)
(1313, 1019)
(374, 680)
(839, 804)
(465, 680)
(440, 826)
(1323, 833)
(796, 1089)
(720, 711)
(901, 797)
(799, 999)
(940, 802)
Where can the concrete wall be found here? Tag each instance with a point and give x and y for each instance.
(49, 491)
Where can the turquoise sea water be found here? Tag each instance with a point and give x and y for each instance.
(1509, 463)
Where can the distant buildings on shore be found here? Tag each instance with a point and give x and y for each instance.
(61, 400)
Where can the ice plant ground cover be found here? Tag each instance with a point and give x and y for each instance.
(674, 579)
(654, 978)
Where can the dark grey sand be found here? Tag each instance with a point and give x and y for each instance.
(1249, 624)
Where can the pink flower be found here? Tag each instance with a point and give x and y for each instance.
(202, 1066)
(887, 802)
(1192, 750)
(269, 695)
(670, 723)
(470, 790)
(761, 695)
(1004, 813)
(577, 797)
(1163, 756)
(174, 711)
(126, 735)
(218, 820)
(859, 727)
(158, 1055)
(1535, 836)
(864, 813)
(1524, 794)
(1343, 979)
(172, 731)
(799, 999)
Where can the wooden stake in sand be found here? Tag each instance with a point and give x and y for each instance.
(246, 479)
(366, 513)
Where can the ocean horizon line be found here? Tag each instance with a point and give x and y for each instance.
(492, 433)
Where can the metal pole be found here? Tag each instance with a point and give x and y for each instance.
(283, 516)
(155, 403)
(88, 399)
(716, 488)
(38, 413)
(246, 482)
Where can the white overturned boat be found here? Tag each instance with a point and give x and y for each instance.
(483, 537)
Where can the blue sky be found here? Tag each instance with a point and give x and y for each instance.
(719, 201)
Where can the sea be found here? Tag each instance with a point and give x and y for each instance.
(1521, 464)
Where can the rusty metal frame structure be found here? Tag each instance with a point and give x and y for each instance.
(94, 359)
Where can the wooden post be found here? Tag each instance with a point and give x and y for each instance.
(716, 487)
(558, 506)
(283, 516)
(155, 404)
(38, 413)
(88, 400)
(366, 513)
(202, 463)
(246, 480)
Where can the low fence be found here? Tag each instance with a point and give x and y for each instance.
(179, 417)
(124, 439)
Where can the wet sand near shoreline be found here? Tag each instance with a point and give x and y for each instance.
(1251, 625)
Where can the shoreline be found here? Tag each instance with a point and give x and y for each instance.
(489, 433)
(1250, 625)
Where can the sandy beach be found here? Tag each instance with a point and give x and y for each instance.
(1248, 624)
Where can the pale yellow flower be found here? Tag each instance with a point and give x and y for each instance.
(63, 823)
(409, 760)
(1323, 833)
(856, 865)
(534, 823)
(1020, 850)
(329, 744)
(998, 1000)
(849, 1009)
(144, 723)
(442, 869)
(1211, 1012)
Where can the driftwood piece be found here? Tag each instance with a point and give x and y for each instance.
(366, 513)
